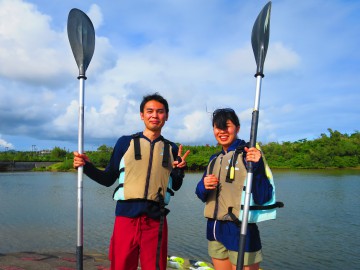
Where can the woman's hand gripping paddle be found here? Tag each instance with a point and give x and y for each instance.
(260, 41)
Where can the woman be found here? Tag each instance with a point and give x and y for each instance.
(221, 188)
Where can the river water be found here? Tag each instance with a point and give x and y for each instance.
(319, 228)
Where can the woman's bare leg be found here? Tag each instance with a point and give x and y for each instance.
(224, 264)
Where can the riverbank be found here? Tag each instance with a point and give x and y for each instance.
(54, 168)
(58, 261)
(53, 261)
(23, 166)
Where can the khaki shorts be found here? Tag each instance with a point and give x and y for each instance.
(218, 251)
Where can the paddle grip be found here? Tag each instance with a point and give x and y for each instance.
(254, 127)
(79, 258)
(240, 259)
(253, 134)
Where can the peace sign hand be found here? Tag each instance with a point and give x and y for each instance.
(180, 161)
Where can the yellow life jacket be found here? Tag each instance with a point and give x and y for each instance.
(145, 171)
(227, 200)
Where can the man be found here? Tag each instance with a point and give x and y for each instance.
(148, 168)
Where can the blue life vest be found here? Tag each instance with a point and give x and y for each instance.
(266, 211)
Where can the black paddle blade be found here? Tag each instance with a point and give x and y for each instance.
(260, 37)
(81, 36)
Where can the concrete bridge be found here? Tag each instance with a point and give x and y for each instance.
(13, 166)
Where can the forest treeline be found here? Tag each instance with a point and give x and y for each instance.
(333, 150)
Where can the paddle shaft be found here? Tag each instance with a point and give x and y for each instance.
(81, 36)
(249, 176)
(80, 231)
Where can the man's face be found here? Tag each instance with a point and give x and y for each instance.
(154, 115)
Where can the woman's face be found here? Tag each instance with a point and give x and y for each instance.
(227, 136)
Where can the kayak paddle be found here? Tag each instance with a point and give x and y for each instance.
(81, 36)
(260, 41)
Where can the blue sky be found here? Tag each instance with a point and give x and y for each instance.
(197, 54)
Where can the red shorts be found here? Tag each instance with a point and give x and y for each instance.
(134, 239)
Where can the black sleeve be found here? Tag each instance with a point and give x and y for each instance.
(177, 174)
(108, 176)
(105, 178)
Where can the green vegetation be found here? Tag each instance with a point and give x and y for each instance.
(57, 154)
(335, 150)
(199, 156)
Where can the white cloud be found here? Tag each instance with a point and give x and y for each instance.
(281, 58)
(196, 126)
(30, 50)
(241, 60)
(198, 55)
(67, 121)
(95, 16)
(4, 144)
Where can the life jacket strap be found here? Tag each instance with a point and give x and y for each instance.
(170, 191)
(166, 154)
(233, 217)
(265, 207)
(212, 163)
(160, 234)
(117, 188)
(237, 152)
(254, 207)
(137, 149)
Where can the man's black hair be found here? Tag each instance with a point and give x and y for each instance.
(156, 96)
